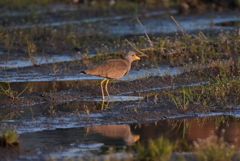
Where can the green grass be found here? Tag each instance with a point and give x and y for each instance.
(211, 148)
(159, 149)
(9, 92)
(9, 138)
(177, 50)
(220, 91)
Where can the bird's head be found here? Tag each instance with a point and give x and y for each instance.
(131, 56)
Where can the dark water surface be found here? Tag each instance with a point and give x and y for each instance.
(97, 140)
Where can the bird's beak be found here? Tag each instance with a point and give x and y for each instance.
(137, 57)
(136, 138)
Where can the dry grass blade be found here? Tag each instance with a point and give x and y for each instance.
(145, 31)
(183, 33)
(142, 54)
(150, 49)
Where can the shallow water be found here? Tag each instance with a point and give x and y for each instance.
(115, 99)
(92, 20)
(34, 76)
(154, 23)
(116, 26)
(77, 128)
(40, 60)
(96, 140)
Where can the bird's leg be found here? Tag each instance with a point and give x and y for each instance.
(101, 84)
(106, 88)
(102, 104)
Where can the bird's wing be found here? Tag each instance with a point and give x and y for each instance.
(115, 68)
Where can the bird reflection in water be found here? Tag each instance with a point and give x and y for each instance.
(115, 131)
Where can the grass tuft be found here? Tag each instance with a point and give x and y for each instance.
(9, 139)
(218, 92)
(159, 149)
(214, 149)
(9, 92)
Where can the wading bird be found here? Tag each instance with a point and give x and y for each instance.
(112, 69)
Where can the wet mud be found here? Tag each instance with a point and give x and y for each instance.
(54, 93)
(43, 93)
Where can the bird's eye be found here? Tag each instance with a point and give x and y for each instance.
(132, 55)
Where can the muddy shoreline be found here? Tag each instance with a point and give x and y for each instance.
(136, 87)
